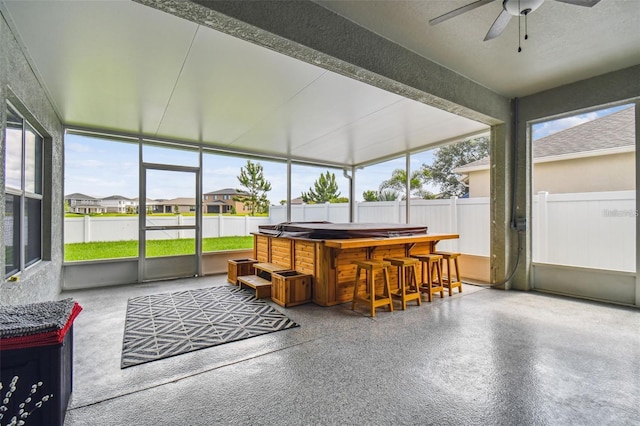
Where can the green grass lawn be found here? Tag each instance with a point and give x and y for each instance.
(155, 248)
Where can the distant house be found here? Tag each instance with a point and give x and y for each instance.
(176, 205)
(294, 201)
(222, 201)
(84, 204)
(119, 204)
(213, 202)
(595, 156)
(297, 200)
(152, 205)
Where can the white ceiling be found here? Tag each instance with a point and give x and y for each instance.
(567, 43)
(125, 67)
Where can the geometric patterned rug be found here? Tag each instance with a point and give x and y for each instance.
(164, 325)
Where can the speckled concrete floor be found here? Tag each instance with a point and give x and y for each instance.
(480, 357)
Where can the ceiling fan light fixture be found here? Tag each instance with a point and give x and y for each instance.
(521, 7)
(510, 8)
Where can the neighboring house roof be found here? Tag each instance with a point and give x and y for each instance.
(297, 200)
(605, 135)
(117, 197)
(149, 200)
(182, 201)
(78, 196)
(226, 191)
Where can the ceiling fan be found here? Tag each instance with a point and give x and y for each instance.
(510, 8)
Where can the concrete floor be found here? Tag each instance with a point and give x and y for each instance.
(481, 357)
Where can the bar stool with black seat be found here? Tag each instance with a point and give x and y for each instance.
(370, 298)
(408, 286)
(449, 282)
(431, 265)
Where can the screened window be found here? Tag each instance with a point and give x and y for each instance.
(23, 194)
(586, 192)
(99, 168)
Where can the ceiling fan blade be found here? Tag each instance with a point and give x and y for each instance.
(498, 26)
(585, 3)
(459, 11)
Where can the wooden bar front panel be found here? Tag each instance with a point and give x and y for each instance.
(305, 256)
(262, 248)
(282, 252)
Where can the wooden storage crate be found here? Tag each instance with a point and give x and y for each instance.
(239, 267)
(291, 288)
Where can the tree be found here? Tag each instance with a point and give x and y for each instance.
(325, 189)
(370, 195)
(385, 195)
(398, 182)
(425, 195)
(450, 157)
(254, 196)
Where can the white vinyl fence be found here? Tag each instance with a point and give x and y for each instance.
(467, 217)
(88, 229)
(595, 230)
(591, 229)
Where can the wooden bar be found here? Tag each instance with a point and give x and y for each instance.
(329, 261)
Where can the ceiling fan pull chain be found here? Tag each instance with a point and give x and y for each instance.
(519, 31)
(526, 31)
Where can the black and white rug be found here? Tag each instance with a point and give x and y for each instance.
(164, 325)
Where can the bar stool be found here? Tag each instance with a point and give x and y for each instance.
(370, 298)
(431, 264)
(408, 287)
(449, 282)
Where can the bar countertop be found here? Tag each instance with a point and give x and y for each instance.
(386, 241)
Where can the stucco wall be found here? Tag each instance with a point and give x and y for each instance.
(615, 172)
(19, 84)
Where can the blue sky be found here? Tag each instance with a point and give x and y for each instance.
(100, 168)
(549, 127)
